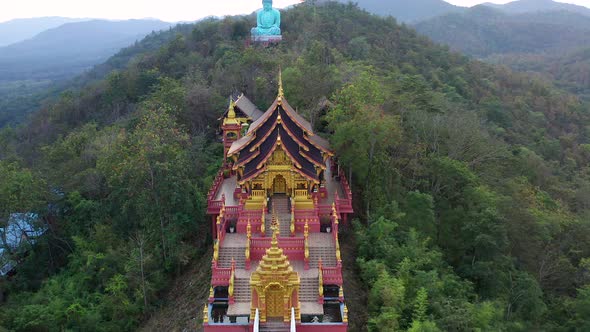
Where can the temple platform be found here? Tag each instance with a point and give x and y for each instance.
(267, 39)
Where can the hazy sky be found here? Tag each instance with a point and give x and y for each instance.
(168, 10)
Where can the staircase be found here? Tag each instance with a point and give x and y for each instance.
(322, 246)
(327, 254)
(226, 254)
(280, 204)
(308, 290)
(273, 325)
(242, 291)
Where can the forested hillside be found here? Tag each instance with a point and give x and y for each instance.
(472, 182)
(549, 43)
(483, 32)
(406, 11)
(526, 6)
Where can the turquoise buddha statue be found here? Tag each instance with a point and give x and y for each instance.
(269, 21)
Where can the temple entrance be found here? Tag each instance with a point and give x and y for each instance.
(279, 185)
(274, 301)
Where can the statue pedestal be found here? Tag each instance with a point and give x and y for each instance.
(267, 39)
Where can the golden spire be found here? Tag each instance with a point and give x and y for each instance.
(231, 114)
(232, 109)
(281, 92)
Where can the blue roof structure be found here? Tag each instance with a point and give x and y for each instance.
(21, 228)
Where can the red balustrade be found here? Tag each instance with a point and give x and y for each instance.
(293, 248)
(233, 212)
(220, 276)
(332, 275)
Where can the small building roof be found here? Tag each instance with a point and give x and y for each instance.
(21, 228)
(244, 108)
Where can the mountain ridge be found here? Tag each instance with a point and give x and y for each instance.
(523, 6)
(17, 30)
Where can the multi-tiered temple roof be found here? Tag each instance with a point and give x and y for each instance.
(282, 268)
(280, 125)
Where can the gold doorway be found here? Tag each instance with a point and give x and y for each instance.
(274, 301)
(279, 185)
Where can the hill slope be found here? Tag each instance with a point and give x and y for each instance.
(524, 6)
(71, 48)
(547, 43)
(20, 29)
(407, 11)
(482, 31)
(470, 181)
(37, 68)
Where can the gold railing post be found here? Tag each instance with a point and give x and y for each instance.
(338, 256)
(206, 314)
(306, 243)
(292, 221)
(249, 237)
(345, 316)
(263, 224)
(216, 251)
(321, 282)
(231, 282)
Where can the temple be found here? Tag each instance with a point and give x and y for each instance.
(275, 207)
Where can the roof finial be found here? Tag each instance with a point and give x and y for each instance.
(281, 92)
(232, 109)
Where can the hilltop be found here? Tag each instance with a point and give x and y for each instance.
(525, 6)
(482, 31)
(406, 11)
(471, 181)
(17, 30)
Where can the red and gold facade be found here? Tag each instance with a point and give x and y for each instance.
(275, 208)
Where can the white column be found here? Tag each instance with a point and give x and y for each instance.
(257, 321)
(293, 326)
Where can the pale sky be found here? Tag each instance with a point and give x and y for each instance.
(167, 10)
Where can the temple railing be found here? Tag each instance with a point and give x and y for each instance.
(258, 194)
(324, 209)
(213, 207)
(233, 212)
(294, 248)
(302, 193)
(220, 276)
(301, 217)
(212, 204)
(332, 275)
(344, 204)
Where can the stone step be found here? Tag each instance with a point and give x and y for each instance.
(284, 224)
(242, 292)
(273, 326)
(227, 253)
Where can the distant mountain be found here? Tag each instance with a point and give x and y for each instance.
(482, 31)
(406, 10)
(525, 6)
(35, 69)
(20, 29)
(71, 48)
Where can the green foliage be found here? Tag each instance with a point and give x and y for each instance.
(471, 181)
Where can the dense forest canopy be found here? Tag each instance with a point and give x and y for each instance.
(552, 44)
(471, 182)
